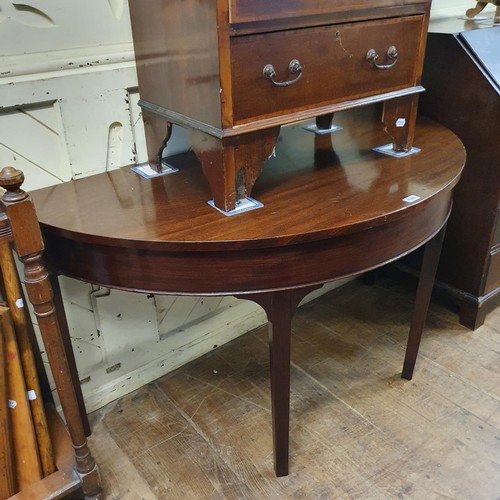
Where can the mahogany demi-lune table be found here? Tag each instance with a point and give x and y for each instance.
(332, 208)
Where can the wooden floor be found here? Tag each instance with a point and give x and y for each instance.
(358, 430)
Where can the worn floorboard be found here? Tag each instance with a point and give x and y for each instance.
(357, 429)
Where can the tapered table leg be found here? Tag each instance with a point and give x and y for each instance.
(425, 284)
(280, 308)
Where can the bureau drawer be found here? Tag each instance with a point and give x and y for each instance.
(496, 233)
(333, 61)
(247, 11)
(493, 277)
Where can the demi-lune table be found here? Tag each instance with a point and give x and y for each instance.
(332, 208)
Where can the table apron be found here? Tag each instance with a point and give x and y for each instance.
(246, 271)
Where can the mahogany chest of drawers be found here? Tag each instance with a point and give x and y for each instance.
(234, 71)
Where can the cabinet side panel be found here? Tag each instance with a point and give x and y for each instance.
(176, 50)
(461, 98)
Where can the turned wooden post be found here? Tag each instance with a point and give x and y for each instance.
(13, 295)
(29, 246)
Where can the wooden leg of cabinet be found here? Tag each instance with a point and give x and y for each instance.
(157, 131)
(232, 165)
(399, 119)
(471, 315)
(325, 122)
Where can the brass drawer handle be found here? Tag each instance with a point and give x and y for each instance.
(392, 54)
(294, 67)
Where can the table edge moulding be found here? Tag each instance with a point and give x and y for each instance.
(234, 71)
(333, 207)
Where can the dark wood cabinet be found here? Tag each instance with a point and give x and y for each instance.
(462, 80)
(234, 71)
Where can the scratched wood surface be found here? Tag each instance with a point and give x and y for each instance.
(357, 429)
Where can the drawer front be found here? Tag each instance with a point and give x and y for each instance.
(333, 61)
(246, 11)
(493, 277)
(496, 233)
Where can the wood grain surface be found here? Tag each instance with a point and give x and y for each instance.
(27, 460)
(334, 62)
(28, 244)
(470, 267)
(324, 205)
(305, 198)
(7, 471)
(20, 321)
(358, 429)
(245, 11)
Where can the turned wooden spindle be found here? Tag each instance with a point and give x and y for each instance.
(26, 457)
(29, 246)
(14, 297)
(8, 484)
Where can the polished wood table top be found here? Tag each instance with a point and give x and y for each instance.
(317, 190)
